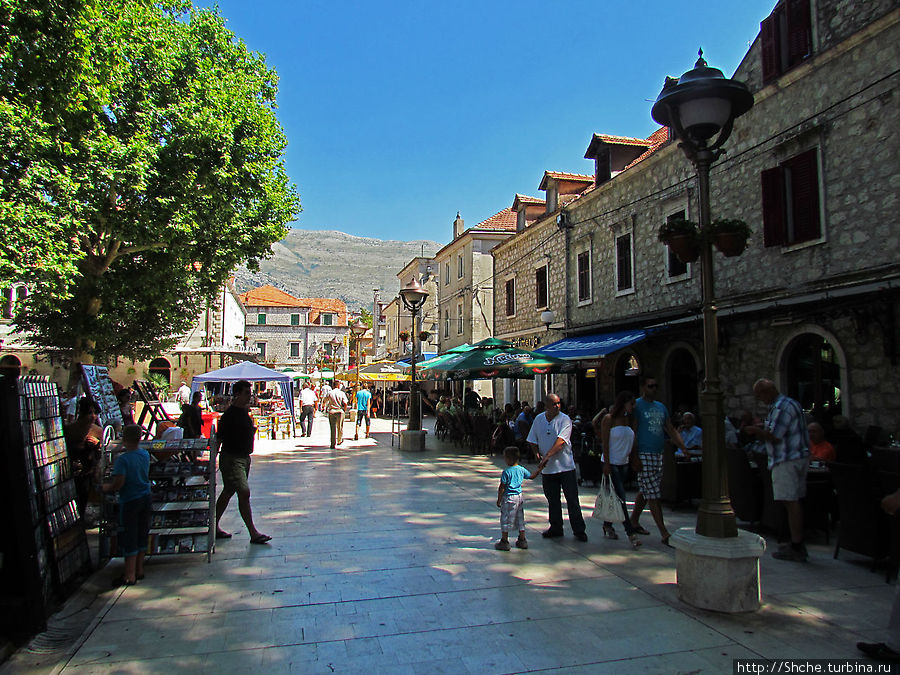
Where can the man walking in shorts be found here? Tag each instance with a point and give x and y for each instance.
(787, 445)
(651, 424)
(237, 433)
(363, 410)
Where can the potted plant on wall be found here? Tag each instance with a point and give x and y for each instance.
(729, 236)
(682, 237)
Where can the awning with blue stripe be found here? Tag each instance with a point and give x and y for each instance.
(593, 346)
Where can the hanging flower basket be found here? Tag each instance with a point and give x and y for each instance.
(404, 336)
(683, 239)
(729, 235)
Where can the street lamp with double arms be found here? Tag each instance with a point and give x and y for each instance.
(357, 330)
(414, 296)
(701, 107)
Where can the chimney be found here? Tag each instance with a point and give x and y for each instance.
(552, 193)
(459, 225)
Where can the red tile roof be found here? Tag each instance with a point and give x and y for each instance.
(269, 296)
(656, 140)
(561, 175)
(526, 199)
(620, 140)
(504, 221)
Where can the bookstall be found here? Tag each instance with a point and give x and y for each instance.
(44, 547)
(183, 484)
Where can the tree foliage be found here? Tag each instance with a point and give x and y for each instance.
(146, 165)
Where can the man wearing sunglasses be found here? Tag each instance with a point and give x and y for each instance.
(651, 424)
(550, 435)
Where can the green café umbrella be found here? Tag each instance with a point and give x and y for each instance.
(486, 361)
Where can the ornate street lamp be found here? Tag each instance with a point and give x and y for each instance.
(357, 330)
(719, 569)
(414, 296)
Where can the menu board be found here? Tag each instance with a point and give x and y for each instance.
(97, 383)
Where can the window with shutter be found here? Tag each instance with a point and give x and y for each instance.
(510, 297)
(785, 38)
(674, 267)
(790, 200)
(624, 264)
(584, 276)
(540, 287)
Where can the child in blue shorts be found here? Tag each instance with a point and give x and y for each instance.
(510, 500)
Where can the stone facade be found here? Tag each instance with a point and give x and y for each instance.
(841, 286)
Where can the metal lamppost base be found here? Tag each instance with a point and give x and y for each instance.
(716, 573)
(412, 440)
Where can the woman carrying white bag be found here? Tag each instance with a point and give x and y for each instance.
(617, 437)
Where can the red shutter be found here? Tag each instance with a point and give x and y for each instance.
(805, 198)
(799, 28)
(768, 37)
(773, 207)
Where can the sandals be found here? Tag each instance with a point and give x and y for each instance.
(260, 539)
(609, 532)
(640, 529)
(121, 581)
(635, 542)
(223, 535)
(665, 541)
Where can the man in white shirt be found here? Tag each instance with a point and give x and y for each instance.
(550, 435)
(336, 406)
(183, 396)
(308, 402)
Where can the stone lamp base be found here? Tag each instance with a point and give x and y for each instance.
(412, 440)
(718, 574)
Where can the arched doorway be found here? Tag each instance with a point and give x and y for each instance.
(628, 368)
(161, 367)
(812, 373)
(10, 365)
(682, 380)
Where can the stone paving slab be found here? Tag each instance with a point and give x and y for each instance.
(383, 561)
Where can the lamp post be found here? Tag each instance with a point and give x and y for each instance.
(414, 296)
(701, 107)
(357, 330)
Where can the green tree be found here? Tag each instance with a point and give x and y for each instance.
(148, 165)
(365, 316)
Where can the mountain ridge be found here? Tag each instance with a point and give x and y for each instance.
(335, 264)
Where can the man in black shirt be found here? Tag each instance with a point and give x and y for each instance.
(237, 432)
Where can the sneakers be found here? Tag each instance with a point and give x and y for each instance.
(503, 545)
(521, 542)
(878, 651)
(609, 532)
(790, 553)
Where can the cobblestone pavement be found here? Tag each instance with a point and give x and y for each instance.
(383, 561)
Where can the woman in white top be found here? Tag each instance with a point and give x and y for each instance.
(617, 437)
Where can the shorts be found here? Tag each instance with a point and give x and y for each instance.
(363, 415)
(235, 471)
(650, 475)
(789, 480)
(134, 525)
(512, 513)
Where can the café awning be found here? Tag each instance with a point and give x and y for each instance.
(593, 346)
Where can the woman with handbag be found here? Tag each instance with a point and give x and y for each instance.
(617, 437)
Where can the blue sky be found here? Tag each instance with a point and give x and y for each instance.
(399, 114)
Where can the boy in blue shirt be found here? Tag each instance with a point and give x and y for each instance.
(510, 500)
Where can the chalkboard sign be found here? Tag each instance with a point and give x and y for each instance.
(99, 386)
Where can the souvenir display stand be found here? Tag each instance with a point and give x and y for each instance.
(96, 382)
(44, 548)
(183, 484)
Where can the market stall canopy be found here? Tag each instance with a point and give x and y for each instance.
(383, 371)
(252, 372)
(490, 361)
(424, 356)
(593, 346)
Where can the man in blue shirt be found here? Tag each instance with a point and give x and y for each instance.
(363, 410)
(651, 424)
(787, 445)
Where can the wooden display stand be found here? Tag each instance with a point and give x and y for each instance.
(152, 410)
(183, 484)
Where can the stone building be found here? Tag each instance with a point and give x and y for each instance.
(297, 333)
(812, 168)
(215, 341)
